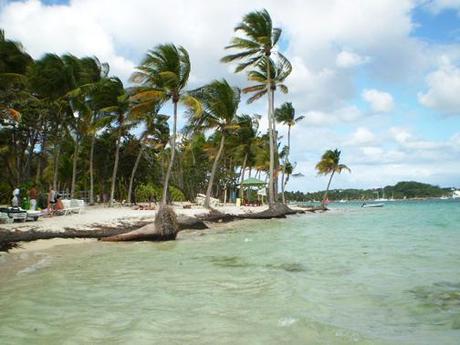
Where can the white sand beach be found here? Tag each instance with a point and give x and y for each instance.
(94, 216)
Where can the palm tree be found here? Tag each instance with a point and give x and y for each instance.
(51, 80)
(93, 76)
(257, 44)
(330, 164)
(14, 62)
(118, 112)
(163, 75)
(220, 103)
(156, 131)
(244, 141)
(279, 71)
(286, 115)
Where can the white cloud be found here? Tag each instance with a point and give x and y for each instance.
(443, 90)
(347, 59)
(379, 101)
(347, 114)
(375, 37)
(361, 136)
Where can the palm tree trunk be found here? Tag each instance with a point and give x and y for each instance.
(271, 199)
(56, 166)
(41, 158)
(115, 168)
(173, 153)
(327, 190)
(284, 183)
(74, 168)
(133, 173)
(275, 147)
(243, 168)
(91, 170)
(213, 172)
(282, 186)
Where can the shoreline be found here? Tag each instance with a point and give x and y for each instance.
(98, 217)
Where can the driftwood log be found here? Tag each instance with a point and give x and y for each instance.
(277, 211)
(164, 228)
(9, 239)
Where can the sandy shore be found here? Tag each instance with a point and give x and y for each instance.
(94, 216)
(97, 216)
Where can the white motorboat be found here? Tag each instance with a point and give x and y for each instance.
(373, 205)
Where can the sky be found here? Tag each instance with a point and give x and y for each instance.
(377, 79)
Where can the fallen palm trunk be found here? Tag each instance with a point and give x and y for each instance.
(215, 216)
(278, 210)
(9, 239)
(164, 228)
(314, 208)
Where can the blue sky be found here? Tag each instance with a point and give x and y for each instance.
(380, 80)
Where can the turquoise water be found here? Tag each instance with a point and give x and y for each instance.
(352, 276)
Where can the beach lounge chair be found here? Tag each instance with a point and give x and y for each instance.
(14, 213)
(33, 215)
(72, 206)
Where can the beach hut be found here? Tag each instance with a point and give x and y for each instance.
(249, 185)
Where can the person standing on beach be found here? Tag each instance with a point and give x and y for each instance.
(15, 199)
(33, 196)
(51, 200)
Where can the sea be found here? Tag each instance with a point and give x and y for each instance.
(354, 275)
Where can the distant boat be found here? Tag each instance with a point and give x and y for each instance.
(343, 200)
(372, 205)
(444, 197)
(383, 196)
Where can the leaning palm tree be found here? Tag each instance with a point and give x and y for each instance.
(257, 44)
(163, 75)
(244, 140)
(94, 79)
(330, 164)
(220, 103)
(286, 115)
(155, 133)
(118, 113)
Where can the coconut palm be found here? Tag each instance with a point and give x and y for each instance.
(163, 75)
(286, 115)
(257, 44)
(156, 132)
(220, 103)
(94, 78)
(118, 112)
(14, 62)
(243, 141)
(330, 164)
(51, 80)
(279, 71)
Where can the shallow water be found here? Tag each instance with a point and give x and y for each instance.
(353, 276)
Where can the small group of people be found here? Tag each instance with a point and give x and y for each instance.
(54, 202)
(33, 197)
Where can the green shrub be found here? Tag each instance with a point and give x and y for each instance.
(148, 192)
(176, 194)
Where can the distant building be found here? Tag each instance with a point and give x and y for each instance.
(456, 194)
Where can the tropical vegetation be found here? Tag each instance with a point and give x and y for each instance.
(66, 122)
